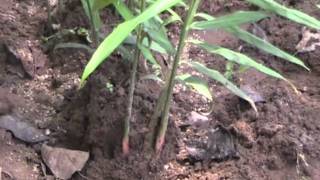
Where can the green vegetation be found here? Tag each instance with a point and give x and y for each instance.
(144, 31)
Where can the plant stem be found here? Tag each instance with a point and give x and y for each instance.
(165, 117)
(131, 4)
(94, 29)
(125, 140)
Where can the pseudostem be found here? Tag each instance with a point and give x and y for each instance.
(165, 116)
(94, 29)
(125, 140)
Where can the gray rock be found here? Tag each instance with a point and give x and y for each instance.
(22, 130)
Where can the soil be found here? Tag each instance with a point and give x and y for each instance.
(41, 84)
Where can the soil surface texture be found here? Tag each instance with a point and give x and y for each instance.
(40, 85)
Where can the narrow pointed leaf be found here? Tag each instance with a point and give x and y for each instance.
(292, 14)
(95, 14)
(237, 18)
(120, 33)
(161, 39)
(264, 45)
(238, 58)
(216, 75)
(258, 42)
(155, 30)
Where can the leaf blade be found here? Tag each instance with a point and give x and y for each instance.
(216, 75)
(292, 14)
(120, 33)
(197, 84)
(238, 58)
(237, 18)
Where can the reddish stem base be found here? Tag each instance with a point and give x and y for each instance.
(159, 144)
(125, 146)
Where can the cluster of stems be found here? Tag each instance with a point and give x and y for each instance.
(166, 94)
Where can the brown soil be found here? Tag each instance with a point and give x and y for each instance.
(282, 142)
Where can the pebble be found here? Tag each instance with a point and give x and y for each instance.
(197, 120)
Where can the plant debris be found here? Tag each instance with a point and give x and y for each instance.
(63, 162)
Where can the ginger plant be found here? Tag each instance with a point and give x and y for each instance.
(229, 23)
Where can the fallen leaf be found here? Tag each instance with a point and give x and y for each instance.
(62, 162)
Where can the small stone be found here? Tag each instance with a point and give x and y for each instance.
(305, 88)
(197, 120)
(47, 132)
(22, 130)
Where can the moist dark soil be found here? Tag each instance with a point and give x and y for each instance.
(42, 85)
